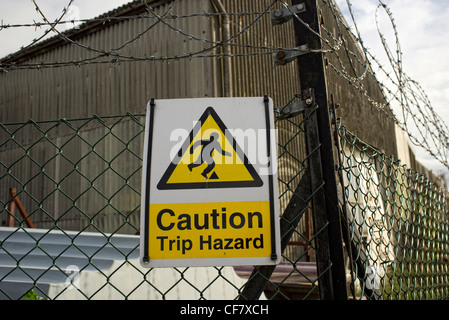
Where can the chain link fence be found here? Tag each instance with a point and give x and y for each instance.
(397, 225)
(78, 182)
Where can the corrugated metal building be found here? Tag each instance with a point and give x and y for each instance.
(113, 67)
(91, 84)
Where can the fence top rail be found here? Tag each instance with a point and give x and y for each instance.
(62, 120)
(349, 139)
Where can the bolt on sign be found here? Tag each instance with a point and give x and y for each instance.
(209, 183)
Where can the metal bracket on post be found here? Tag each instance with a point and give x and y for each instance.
(295, 108)
(281, 16)
(291, 110)
(283, 57)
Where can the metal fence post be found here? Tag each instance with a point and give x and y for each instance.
(320, 220)
(312, 75)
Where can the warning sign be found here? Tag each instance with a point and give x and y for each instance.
(210, 158)
(209, 183)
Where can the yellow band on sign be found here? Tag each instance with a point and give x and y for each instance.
(209, 230)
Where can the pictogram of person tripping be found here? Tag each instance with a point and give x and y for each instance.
(208, 147)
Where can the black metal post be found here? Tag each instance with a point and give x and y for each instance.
(312, 75)
(320, 219)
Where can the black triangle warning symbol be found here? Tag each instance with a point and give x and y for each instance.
(213, 176)
(210, 158)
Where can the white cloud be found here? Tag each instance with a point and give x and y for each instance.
(24, 12)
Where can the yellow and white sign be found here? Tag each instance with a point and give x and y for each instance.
(209, 183)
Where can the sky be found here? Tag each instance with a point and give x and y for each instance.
(422, 27)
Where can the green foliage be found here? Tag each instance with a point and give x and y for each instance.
(32, 295)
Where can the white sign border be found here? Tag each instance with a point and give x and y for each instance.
(209, 262)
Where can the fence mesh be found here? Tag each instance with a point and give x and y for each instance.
(78, 182)
(397, 225)
(82, 177)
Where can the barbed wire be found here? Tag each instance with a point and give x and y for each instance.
(412, 109)
(46, 32)
(162, 19)
(35, 25)
(405, 101)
